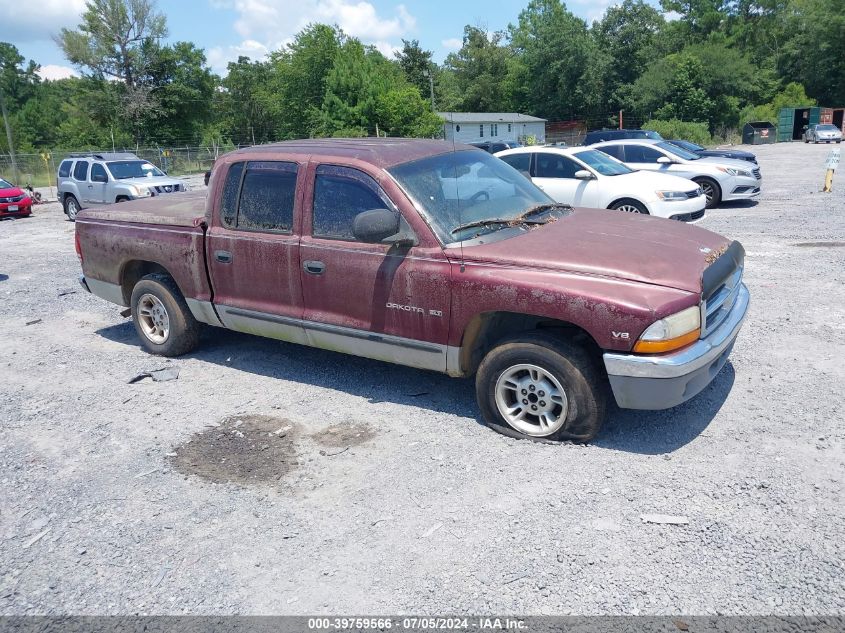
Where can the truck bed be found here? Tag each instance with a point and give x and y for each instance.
(174, 209)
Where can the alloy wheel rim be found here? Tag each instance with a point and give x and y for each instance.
(531, 400)
(153, 318)
(72, 208)
(628, 208)
(708, 191)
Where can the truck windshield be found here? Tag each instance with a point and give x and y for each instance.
(124, 169)
(603, 163)
(467, 188)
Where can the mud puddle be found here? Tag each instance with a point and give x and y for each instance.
(344, 435)
(243, 449)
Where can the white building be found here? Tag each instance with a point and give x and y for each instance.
(468, 127)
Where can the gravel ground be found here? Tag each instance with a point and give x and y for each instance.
(370, 488)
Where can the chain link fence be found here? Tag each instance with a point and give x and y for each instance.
(40, 169)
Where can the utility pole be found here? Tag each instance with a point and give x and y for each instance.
(8, 135)
(430, 75)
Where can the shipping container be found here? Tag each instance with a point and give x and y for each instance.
(792, 122)
(838, 116)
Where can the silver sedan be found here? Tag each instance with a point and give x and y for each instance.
(823, 133)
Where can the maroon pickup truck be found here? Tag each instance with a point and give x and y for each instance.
(434, 256)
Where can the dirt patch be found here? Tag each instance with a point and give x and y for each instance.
(243, 449)
(821, 245)
(344, 435)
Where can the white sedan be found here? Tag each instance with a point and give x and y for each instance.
(722, 179)
(585, 177)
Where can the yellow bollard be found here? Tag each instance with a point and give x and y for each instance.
(831, 163)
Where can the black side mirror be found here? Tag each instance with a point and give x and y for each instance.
(99, 178)
(376, 225)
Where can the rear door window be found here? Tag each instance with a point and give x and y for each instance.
(641, 154)
(260, 196)
(64, 168)
(520, 162)
(80, 171)
(613, 150)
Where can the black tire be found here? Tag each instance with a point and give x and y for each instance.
(183, 330)
(120, 199)
(71, 207)
(712, 190)
(629, 205)
(583, 383)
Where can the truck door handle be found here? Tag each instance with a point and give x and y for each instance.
(224, 257)
(314, 268)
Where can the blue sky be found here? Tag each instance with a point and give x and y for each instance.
(228, 28)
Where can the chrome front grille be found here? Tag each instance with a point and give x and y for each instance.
(14, 199)
(715, 309)
(694, 194)
(159, 189)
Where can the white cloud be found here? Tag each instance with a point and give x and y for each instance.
(51, 72)
(453, 43)
(38, 20)
(219, 57)
(593, 10)
(273, 23)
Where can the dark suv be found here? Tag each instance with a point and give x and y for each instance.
(599, 136)
(496, 146)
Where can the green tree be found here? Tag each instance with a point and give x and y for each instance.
(477, 73)
(417, 66)
(183, 87)
(559, 69)
(248, 106)
(402, 111)
(110, 40)
(630, 34)
(298, 77)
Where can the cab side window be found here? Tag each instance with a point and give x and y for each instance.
(80, 171)
(98, 173)
(340, 194)
(554, 166)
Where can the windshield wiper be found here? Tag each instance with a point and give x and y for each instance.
(520, 219)
(494, 222)
(541, 208)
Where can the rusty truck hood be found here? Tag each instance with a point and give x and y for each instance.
(612, 244)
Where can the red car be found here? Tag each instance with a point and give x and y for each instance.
(14, 201)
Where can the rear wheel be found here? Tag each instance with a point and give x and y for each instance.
(541, 387)
(712, 191)
(71, 205)
(162, 318)
(629, 206)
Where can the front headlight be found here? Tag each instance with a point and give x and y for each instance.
(736, 172)
(670, 196)
(141, 192)
(671, 333)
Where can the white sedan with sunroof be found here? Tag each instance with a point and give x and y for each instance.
(585, 177)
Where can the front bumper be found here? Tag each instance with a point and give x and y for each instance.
(667, 380)
(686, 210)
(23, 208)
(742, 188)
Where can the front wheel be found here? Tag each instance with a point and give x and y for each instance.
(711, 190)
(162, 318)
(541, 387)
(72, 208)
(628, 206)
